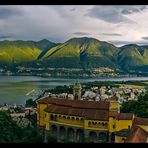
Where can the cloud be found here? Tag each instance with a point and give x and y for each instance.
(145, 38)
(81, 33)
(121, 43)
(133, 9)
(7, 11)
(114, 14)
(5, 36)
(73, 9)
(112, 34)
(59, 23)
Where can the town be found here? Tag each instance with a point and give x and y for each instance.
(79, 101)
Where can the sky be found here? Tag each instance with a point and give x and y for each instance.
(116, 24)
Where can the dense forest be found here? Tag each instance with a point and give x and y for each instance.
(139, 108)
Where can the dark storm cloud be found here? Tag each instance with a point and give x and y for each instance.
(133, 9)
(145, 38)
(81, 33)
(6, 12)
(112, 34)
(114, 14)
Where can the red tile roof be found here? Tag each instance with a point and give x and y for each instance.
(137, 135)
(125, 116)
(113, 114)
(140, 121)
(91, 114)
(76, 103)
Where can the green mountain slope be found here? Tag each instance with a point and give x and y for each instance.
(45, 45)
(22, 51)
(132, 57)
(82, 52)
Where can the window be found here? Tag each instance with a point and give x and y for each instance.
(95, 123)
(89, 123)
(114, 126)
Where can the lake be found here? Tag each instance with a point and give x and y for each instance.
(14, 89)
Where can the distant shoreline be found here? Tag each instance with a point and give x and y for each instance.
(73, 77)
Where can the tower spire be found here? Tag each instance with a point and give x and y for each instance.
(77, 90)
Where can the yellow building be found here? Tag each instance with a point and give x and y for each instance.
(81, 121)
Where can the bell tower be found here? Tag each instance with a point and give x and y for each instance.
(77, 91)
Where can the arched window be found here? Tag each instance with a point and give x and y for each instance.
(80, 135)
(70, 134)
(59, 116)
(89, 124)
(73, 118)
(51, 117)
(93, 123)
(64, 117)
(68, 118)
(92, 137)
(77, 118)
(103, 137)
(106, 124)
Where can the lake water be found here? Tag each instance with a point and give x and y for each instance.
(14, 89)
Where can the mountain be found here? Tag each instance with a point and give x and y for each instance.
(82, 52)
(22, 51)
(45, 45)
(133, 57)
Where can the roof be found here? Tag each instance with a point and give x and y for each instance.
(123, 132)
(140, 121)
(125, 116)
(91, 114)
(113, 114)
(114, 98)
(76, 103)
(137, 135)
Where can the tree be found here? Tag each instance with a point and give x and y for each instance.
(51, 139)
(10, 132)
(30, 103)
(139, 107)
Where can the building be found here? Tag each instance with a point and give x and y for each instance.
(80, 120)
(77, 91)
(137, 135)
(77, 120)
